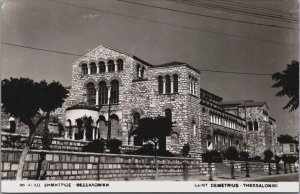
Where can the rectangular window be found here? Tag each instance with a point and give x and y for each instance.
(292, 148)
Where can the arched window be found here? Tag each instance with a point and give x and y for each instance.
(142, 72)
(168, 113)
(175, 82)
(250, 126)
(103, 93)
(138, 70)
(84, 69)
(111, 65)
(91, 94)
(102, 127)
(136, 118)
(114, 94)
(168, 84)
(255, 126)
(115, 126)
(160, 84)
(102, 67)
(120, 64)
(93, 68)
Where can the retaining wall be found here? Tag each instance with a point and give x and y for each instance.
(63, 165)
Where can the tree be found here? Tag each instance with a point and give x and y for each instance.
(114, 146)
(185, 152)
(288, 81)
(268, 156)
(289, 161)
(277, 160)
(286, 139)
(293, 160)
(232, 154)
(151, 129)
(43, 163)
(245, 157)
(285, 160)
(32, 103)
(210, 157)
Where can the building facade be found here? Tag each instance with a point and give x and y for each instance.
(111, 85)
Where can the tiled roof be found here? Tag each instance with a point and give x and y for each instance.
(177, 63)
(173, 63)
(242, 103)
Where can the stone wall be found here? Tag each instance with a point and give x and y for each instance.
(141, 95)
(62, 165)
(9, 140)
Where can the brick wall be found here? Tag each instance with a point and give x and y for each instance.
(63, 165)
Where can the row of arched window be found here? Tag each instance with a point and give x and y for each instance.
(219, 121)
(101, 67)
(252, 126)
(223, 140)
(101, 95)
(168, 84)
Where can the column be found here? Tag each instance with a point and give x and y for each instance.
(96, 132)
(140, 72)
(66, 135)
(93, 135)
(116, 66)
(89, 68)
(172, 85)
(108, 95)
(106, 66)
(73, 134)
(164, 85)
(98, 68)
(97, 95)
(84, 134)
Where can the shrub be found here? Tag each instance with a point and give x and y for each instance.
(96, 146)
(165, 153)
(146, 149)
(244, 155)
(256, 159)
(212, 156)
(185, 150)
(114, 146)
(231, 153)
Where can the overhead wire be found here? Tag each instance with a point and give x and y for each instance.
(80, 55)
(235, 10)
(208, 16)
(175, 25)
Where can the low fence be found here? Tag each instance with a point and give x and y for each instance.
(240, 166)
(63, 165)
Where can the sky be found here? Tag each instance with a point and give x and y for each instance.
(207, 39)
